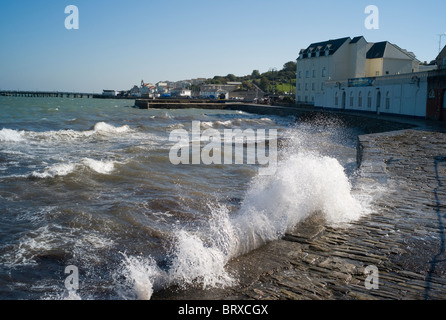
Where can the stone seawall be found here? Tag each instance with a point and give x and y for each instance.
(403, 239)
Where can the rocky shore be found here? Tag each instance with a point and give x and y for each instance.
(397, 252)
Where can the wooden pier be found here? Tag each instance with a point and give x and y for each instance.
(46, 94)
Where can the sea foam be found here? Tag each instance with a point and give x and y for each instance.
(64, 169)
(304, 184)
(9, 135)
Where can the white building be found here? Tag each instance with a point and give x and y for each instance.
(356, 75)
(210, 92)
(346, 58)
(183, 93)
(403, 94)
(147, 89)
(110, 93)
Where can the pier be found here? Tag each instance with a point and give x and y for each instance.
(46, 94)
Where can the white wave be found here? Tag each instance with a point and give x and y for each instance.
(64, 169)
(9, 135)
(58, 170)
(140, 274)
(100, 129)
(103, 167)
(105, 128)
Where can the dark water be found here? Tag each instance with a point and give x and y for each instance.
(89, 183)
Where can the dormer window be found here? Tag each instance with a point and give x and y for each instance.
(310, 52)
(327, 50)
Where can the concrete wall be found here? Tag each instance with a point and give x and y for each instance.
(402, 94)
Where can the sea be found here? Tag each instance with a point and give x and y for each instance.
(92, 207)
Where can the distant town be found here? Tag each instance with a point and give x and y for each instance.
(250, 88)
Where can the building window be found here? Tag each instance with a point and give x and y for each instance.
(314, 73)
(377, 73)
(336, 99)
(388, 100)
(324, 73)
(307, 74)
(369, 100)
(322, 86)
(360, 99)
(313, 86)
(306, 98)
(351, 100)
(298, 86)
(298, 99)
(300, 74)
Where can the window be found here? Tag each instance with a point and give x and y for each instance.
(313, 86)
(322, 86)
(306, 86)
(298, 99)
(388, 100)
(351, 100)
(369, 100)
(336, 99)
(360, 99)
(377, 73)
(314, 73)
(300, 74)
(324, 73)
(298, 86)
(307, 74)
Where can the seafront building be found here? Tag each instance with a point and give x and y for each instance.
(378, 77)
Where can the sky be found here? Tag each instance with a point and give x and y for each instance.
(119, 43)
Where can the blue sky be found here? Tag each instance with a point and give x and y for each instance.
(119, 43)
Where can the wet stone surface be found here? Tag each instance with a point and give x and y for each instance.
(404, 236)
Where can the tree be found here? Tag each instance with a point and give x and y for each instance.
(264, 84)
(231, 78)
(255, 75)
(290, 66)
